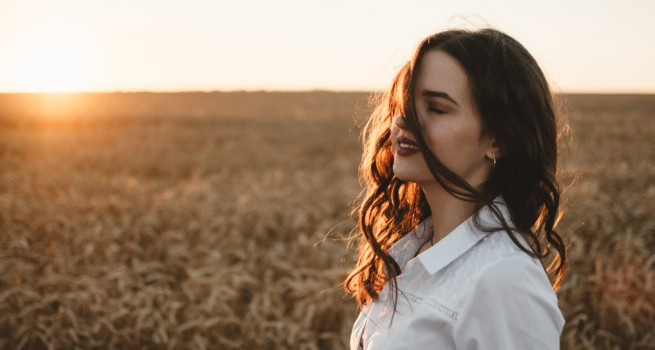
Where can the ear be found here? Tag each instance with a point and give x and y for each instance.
(493, 150)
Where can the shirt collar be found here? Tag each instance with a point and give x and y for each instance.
(461, 239)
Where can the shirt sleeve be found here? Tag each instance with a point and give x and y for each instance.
(513, 306)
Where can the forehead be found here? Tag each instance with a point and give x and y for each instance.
(439, 71)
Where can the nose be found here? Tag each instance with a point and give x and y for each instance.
(400, 122)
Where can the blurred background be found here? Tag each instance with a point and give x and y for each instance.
(202, 45)
(182, 174)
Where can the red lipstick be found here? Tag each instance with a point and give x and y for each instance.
(406, 147)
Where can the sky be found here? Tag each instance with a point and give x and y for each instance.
(204, 45)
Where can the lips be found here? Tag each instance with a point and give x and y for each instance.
(406, 146)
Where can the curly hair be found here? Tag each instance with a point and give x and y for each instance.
(516, 107)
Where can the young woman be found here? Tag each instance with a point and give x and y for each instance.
(457, 224)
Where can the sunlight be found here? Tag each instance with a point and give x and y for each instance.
(51, 62)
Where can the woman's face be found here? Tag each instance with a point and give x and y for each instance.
(450, 122)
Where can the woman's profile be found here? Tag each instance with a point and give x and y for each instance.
(457, 240)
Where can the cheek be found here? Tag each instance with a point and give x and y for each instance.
(438, 136)
(451, 143)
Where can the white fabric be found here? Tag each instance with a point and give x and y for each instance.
(471, 290)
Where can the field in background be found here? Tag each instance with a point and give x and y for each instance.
(216, 220)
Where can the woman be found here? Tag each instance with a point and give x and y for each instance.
(461, 202)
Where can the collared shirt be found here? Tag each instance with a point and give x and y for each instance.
(471, 290)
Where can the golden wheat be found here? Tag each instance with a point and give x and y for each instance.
(216, 220)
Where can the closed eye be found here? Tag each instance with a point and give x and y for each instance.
(436, 110)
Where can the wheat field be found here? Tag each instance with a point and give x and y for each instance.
(219, 220)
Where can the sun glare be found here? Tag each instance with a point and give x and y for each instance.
(51, 62)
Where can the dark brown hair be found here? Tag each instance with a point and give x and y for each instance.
(516, 107)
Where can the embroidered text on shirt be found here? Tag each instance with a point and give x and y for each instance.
(430, 302)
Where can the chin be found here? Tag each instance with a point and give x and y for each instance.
(402, 178)
(412, 172)
(406, 176)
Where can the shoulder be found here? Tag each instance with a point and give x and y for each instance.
(511, 304)
(509, 271)
(517, 274)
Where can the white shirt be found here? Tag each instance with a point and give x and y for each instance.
(471, 290)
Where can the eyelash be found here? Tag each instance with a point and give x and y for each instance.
(436, 110)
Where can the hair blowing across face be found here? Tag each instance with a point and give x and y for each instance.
(516, 107)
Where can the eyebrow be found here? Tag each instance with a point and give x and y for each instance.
(439, 94)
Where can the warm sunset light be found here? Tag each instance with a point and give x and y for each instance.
(51, 63)
(148, 45)
(205, 174)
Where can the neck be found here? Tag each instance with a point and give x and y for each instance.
(447, 211)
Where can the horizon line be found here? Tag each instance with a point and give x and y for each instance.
(308, 90)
